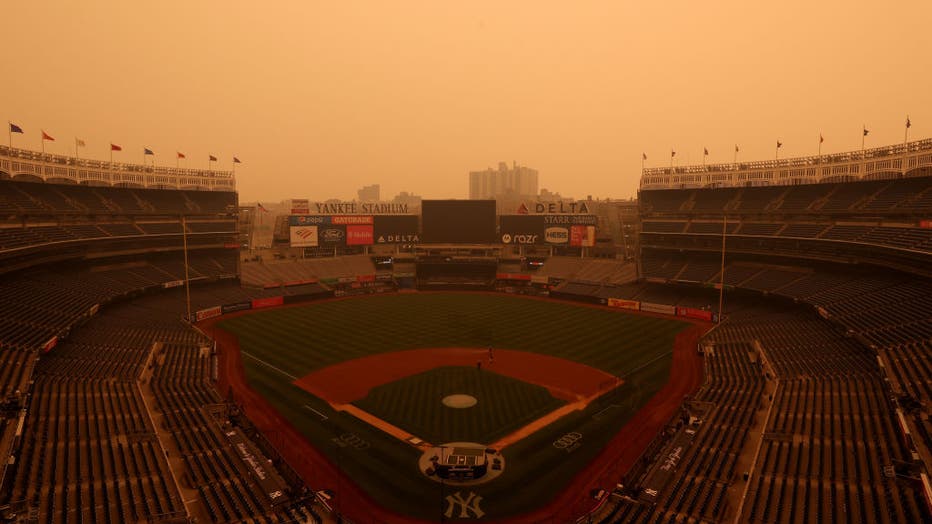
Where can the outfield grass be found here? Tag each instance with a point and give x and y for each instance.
(292, 342)
(303, 339)
(415, 404)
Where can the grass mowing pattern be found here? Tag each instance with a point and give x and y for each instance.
(301, 340)
(414, 404)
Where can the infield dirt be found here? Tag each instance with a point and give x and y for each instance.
(611, 463)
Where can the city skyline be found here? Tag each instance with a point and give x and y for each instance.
(321, 100)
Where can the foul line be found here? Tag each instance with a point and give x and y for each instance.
(644, 365)
(264, 363)
(319, 414)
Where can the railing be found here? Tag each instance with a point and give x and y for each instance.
(48, 167)
(878, 162)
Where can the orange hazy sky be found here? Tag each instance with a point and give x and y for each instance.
(321, 98)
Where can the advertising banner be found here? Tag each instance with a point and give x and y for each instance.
(238, 306)
(396, 229)
(304, 236)
(658, 308)
(690, 312)
(555, 207)
(542, 229)
(50, 344)
(925, 224)
(300, 206)
(300, 282)
(346, 280)
(173, 283)
(308, 220)
(352, 220)
(512, 276)
(304, 297)
(331, 235)
(365, 278)
(540, 279)
(259, 303)
(358, 235)
(210, 312)
(624, 304)
(583, 236)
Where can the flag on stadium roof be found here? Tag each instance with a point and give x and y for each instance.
(213, 158)
(705, 151)
(820, 138)
(672, 153)
(78, 142)
(46, 136)
(147, 151)
(779, 144)
(181, 155)
(261, 207)
(114, 147)
(736, 148)
(15, 128)
(643, 156)
(908, 123)
(236, 161)
(866, 131)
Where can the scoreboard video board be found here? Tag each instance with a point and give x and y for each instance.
(458, 221)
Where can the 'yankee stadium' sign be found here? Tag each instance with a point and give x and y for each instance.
(356, 208)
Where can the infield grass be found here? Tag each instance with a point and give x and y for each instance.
(292, 342)
(415, 404)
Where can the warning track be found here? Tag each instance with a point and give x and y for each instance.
(619, 455)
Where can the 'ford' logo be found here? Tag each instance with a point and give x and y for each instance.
(332, 235)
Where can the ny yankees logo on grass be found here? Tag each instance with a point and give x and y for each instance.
(468, 505)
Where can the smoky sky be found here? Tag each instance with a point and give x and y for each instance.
(320, 98)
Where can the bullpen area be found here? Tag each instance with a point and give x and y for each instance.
(356, 392)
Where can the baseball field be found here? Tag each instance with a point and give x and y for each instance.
(353, 391)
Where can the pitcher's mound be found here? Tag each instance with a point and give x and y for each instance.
(459, 401)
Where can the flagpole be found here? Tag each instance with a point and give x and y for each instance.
(863, 134)
(9, 128)
(43, 143)
(819, 168)
(736, 155)
(905, 146)
(76, 147)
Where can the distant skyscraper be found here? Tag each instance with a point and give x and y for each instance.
(518, 181)
(369, 193)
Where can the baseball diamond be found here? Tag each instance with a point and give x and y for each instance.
(373, 372)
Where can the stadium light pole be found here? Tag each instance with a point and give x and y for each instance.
(187, 279)
(721, 281)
